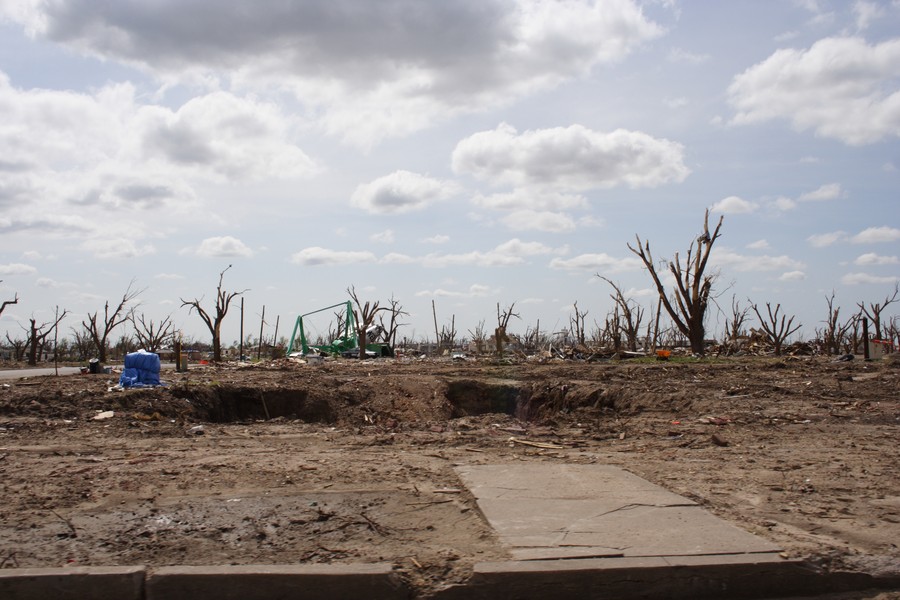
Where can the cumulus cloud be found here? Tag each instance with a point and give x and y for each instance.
(16, 269)
(874, 235)
(572, 158)
(829, 191)
(401, 192)
(603, 263)
(872, 259)
(509, 253)
(753, 262)
(759, 245)
(679, 55)
(474, 291)
(383, 237)
(792, 276)
(864, 278)
(436, 239)
(841, 88)
(369, 69)
(223, 247)
(821, 240)
(733, 205)
(117, 248)
(532, 199)
(533, 220)
(318, 257)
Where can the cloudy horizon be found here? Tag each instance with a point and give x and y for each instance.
(465, 153)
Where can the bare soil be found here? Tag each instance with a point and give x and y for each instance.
(353, 461)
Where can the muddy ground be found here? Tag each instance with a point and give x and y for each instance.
(353, 461)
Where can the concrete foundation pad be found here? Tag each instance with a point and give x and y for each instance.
(274, 582)
(546, 510)
(73, 583)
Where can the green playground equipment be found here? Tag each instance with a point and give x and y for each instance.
(346, 343)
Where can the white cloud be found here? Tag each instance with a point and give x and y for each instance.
(396, 258)
(317, 257)
(572, 158)
(384, 237)
(474, 291)
(842, 88)
(436, 239)
(759, 245)
(16, 269)
(679, 55)
(401, 192)
(509, 253)
(602, 262)
(223, 247)
(753, 262)
(864, 278)
(871, 259)
(733, 205)
(117, 248)
(829, 191)
(792, 276)
(783, 203)
(368, 70)
(874, 235)
(866, 13)
(531, 198)
(821, 240)
(532, 220)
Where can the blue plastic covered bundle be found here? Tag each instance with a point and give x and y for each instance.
(141, 369)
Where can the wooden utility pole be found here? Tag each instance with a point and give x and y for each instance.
(262, 322)
(241, 343)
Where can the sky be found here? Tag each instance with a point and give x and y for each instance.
(455, 155)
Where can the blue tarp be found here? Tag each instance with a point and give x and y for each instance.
(141, 369)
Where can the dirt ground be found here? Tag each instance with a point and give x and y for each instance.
(353, 461)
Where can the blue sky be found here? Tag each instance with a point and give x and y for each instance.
(467, 153)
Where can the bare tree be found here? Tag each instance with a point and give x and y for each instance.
(479, 336)
(38, 336)
(214, 322)
(631, 315)
(393, 324)
(874, 310)
(735, 327)
(6, 303)
(101, 330)
(447, 336)
(503, 317)
(365, 317)
(834, 335)
(777, 331)
(82, 343)
(152, 336)
(18, 346)
(576, 324)
(694, 285)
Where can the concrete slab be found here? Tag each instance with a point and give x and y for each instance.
(73, 583)
(546, 511)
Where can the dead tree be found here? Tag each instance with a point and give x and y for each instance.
(694, 285)
(874, 310)
(776, 331)
(503, 317)
(393, 323)
(18, 346)
(99, 331)
(631, 315)
(735, 327)
(834, 336)
(614, 329)
(214, 322)
(447, 336)
(576, 324)
(479, 337)
(152, 336)
(38, 336)
(365, 316)
(6, 303)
